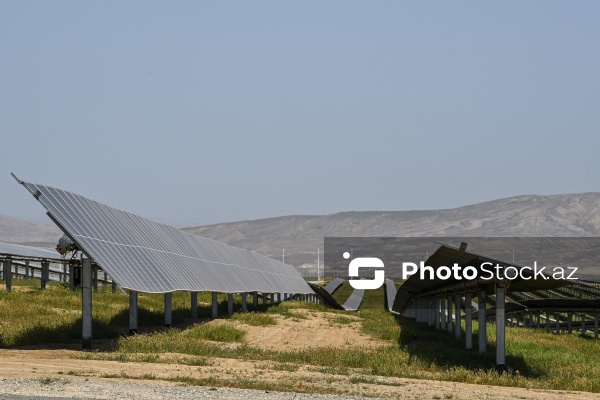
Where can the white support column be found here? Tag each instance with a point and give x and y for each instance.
(457, 327)
(215, 305)
(168, 309)
(86, 301)
(450, 313)
(431, 310)
(71, 277)
(194, 304)
(482, 324)
(500, 329)
(244, 302)
(437, 313)
(530, 322)
(230, 303)
(133, 312)
(468, 322)
(8, 273)
(95, 278)
(443, 313)
(46, 274)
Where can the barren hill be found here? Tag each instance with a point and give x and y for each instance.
(20, 231)
(301, 235)
(530, 215)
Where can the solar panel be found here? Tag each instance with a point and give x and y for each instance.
(334, 285)
(16, 250)
(150, 257)
(390, 293)
(353, 302)
(326, 296)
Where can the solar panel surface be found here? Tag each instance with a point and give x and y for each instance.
(9, 249)
(151, 257)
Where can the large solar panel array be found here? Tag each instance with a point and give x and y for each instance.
(150, 257)
(16, 250)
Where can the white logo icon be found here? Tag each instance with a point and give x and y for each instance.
(365, 262)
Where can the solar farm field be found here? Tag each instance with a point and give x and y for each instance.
(292, 346)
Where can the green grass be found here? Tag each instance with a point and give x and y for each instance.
(254, 319)
(54, 315)
(536, 359)
(216, 333)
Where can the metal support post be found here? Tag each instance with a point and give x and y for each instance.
(133, 312)
(86, 301)
(168, 309)
(500, 329)
(468, 322)
(194, 304)
(482, 323)
(215, 305)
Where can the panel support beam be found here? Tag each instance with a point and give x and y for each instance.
(168, 309)
(86, 301)
(449, 325)
(133, 312)
(482, 323)
(468, 322)
(8, 273)
(215, 305)
(244, 301)
(194, 304)
(500, 329)
(46, 273)
(443, 313)
(230, 303)
(457, 327)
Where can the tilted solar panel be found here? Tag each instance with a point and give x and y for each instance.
(390, 293)
(147, 256)
(334, 285)
(354, 301)
(9, 249)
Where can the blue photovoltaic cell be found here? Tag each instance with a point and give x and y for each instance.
(150, 257)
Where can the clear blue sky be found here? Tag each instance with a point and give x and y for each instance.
(205, 112)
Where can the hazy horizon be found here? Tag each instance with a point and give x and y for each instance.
(200, 113)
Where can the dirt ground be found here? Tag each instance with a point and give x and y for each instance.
(289, 333)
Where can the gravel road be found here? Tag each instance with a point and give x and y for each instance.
(34, 389)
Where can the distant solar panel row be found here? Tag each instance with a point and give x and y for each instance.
(150, 257)
(9, 249)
